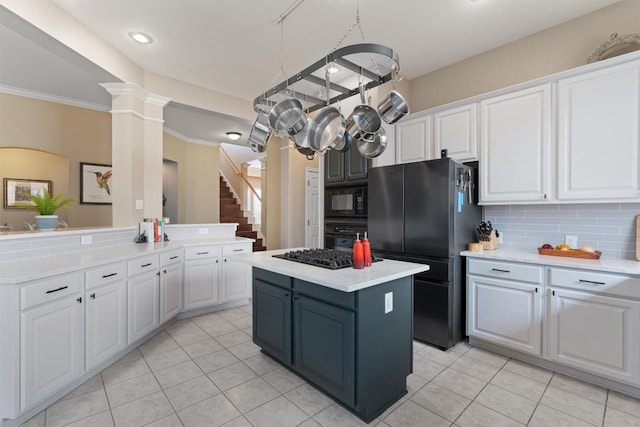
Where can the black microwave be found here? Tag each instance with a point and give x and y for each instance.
(349, 201)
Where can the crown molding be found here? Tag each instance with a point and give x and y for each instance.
(53, 98)
(190, 140)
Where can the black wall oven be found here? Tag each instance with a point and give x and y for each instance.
(340, 234)
(346, 202)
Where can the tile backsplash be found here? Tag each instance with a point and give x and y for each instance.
(608, 227)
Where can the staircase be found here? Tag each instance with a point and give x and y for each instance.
(230, 212)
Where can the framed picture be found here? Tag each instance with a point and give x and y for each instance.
(17, 190)
(95, 184)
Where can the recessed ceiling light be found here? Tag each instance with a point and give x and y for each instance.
(234, 136)
(141, 37)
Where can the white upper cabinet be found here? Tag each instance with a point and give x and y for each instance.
(515, 142)
(456, 130)
(413, 139)
(388, 156)
(598, 135)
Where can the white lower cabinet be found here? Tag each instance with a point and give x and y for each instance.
(201, 276)
(504, 309)
(236, 276)
(596, 333)
(105, 322)
(51, 337)
(105, 313)
(170, 285)
(143, 297)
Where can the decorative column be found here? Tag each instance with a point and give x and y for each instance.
(137, 145)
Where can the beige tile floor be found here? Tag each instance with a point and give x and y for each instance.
(206, 372)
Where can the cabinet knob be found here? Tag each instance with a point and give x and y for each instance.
(158, 273)
(536, 290)
(164, 271)
(545, 196)
(553, 293)
(79, 300)
(93, 296)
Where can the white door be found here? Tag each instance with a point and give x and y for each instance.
(143, 310)
(455, 130)
(312, 208)
(598, 134)
(515, 143)
(201, 279)
(413, 139)
(594, 333)
(506, 313)
(170, 291)
(106, 322)
(51, 349)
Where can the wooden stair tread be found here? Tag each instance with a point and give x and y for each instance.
(230, 212)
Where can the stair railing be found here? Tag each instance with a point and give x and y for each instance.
(242, 175)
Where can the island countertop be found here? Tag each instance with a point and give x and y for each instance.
(344, 279)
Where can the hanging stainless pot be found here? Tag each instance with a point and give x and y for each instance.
(364, 122)
(301, 139)
(308, 152)
(288, 116)
(373, 146)
(393, 107)
(326, 128)
(260, 133)
(344, 144)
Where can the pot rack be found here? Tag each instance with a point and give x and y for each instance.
(367, 63)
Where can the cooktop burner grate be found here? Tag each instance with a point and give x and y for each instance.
(325, 258)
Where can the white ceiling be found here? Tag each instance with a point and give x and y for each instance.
(236, 47)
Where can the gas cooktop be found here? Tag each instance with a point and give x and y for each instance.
(326, 258)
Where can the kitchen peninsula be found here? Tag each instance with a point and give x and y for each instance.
(349, 332)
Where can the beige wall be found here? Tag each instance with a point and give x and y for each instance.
(271, 196)
(296, 197)
(73, 133)
(199, 186)
(560, 48)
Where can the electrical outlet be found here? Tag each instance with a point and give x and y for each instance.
(86, 240)
(203, 230)
(388, 302)
(571, 240)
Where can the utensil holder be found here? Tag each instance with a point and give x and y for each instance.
(492, 243)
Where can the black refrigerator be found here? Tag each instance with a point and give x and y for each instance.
(426, 212)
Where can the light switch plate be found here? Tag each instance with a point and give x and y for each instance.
(388, 302)
(139, 204)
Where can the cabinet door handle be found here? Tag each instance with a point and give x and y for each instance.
(50, 291)
(147, 264)
(93, 296)
(79, 300)
(158, 273)
(501, 271)
(173, 257)
(238, 250)
(591, 282)
(536, 290)
(104, 276)
(164, 271)
(553, 293)
(202, 253)
(545, 196)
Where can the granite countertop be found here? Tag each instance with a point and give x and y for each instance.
(345, 279)
(532, 257)
(15, 272)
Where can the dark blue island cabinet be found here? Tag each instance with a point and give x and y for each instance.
(345, 343)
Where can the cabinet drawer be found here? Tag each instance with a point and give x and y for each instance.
(506, 270)
(171, 257)
(612, 284)
(102, 275)
(272, 278)
(197, 252)
(322, 293)
(242, 248)
(50, 289)
(143, 264)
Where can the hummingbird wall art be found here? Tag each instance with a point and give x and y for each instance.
(103, 180)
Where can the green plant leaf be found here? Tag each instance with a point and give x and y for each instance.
(45, 204)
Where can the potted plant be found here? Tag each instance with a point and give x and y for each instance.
(46, 206)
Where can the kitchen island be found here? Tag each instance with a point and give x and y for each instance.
(348, 332)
